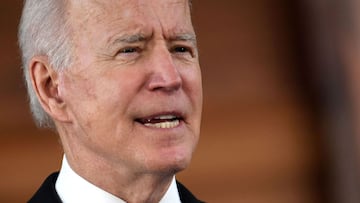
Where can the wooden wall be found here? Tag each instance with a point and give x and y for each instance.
(257, 144)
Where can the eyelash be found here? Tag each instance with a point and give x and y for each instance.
(129, 50)
(182, 50)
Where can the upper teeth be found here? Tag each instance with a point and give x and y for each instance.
(165, 117)
(166, 124)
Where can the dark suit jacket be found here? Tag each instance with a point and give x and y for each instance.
(47, 192)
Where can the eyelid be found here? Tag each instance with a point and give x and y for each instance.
(128, 56)
(122, 45)
(128, 50)
(124, 50)
(188, 49)
(185, 49)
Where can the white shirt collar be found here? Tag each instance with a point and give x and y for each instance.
(72, 188)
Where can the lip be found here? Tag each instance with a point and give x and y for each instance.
(157, 115)
(153, 118)
(173, 129)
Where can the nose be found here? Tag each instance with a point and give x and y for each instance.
(165, 75)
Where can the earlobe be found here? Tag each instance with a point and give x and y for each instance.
(44, 80)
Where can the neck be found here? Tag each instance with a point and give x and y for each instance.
(128, 185)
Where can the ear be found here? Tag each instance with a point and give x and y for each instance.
(45, 84)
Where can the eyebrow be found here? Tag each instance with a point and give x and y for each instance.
(130, 39)
(185, 37)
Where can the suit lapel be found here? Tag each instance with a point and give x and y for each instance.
(185, 195)
(47, 192)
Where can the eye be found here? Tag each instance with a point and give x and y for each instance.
(128, 53)
(183, 51)
(128, 50)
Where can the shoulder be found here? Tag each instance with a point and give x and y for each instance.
(47, 193)
(185, 195)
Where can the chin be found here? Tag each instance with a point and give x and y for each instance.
(173, 168)
(179, 165)
(171, 163)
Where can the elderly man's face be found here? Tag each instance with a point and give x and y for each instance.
(134, 93)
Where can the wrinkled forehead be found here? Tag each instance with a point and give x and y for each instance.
(115, 16)
(103, 4)
(99, 8)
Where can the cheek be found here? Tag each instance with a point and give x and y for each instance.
(193, 85)
(89, 99)
(78, 95)
(115, 93)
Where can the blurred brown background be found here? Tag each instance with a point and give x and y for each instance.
(280, 112)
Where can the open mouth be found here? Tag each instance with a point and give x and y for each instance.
(161, 121)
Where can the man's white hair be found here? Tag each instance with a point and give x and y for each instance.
(44, 31)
